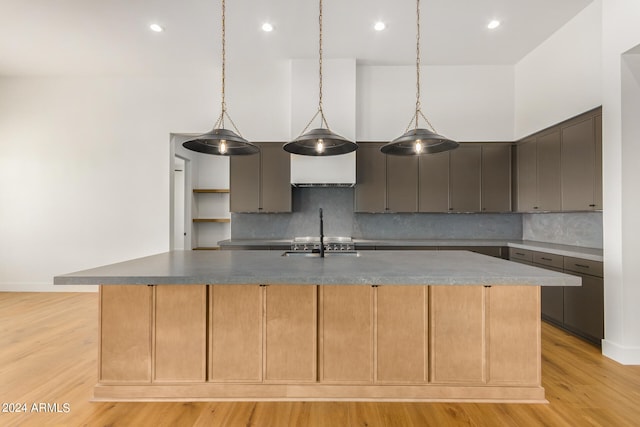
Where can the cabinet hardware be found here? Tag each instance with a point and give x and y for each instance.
(546, 259)
(592, 206)
(582, 265)
(519, 253)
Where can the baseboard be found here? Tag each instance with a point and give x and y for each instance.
(45, 287)
(622, 354)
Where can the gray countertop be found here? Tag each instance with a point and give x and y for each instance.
(270, 267)
(593, 254)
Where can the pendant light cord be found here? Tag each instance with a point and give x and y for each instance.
(223, 106)
(320, 112)
(418, 113)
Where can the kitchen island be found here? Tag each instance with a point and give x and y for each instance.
(379, 325)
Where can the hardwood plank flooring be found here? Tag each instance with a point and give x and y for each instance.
(48, 353)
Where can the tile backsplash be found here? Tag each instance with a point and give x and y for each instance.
(568, 228)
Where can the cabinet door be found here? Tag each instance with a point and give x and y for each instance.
(235, 333)
(552, 300)
(244, 183)
(578, 166)
(548, 154)
(180, 332)
(457, 339)
(125, 333)
(401, 334)
(584, 307)
(465, 178)
(513, 325)
(346, 334)
(496, 178)
(597, 192)
(371, 179)
(526, 155)
(434, 182)
(402, 183)
(290, 333)
(275, 178)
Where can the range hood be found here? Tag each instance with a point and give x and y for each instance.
(334, 171)
(339, 102)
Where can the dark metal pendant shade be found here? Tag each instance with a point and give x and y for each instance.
(221, 142)
(418, 141)
(320, 142)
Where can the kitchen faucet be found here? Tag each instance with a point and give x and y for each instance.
(321, 236)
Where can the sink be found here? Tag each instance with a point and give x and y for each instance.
(302, 254)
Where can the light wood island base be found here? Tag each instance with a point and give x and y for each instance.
(324, 343)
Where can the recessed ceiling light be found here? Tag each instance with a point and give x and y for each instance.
(493, 24)
(156, 27)
(267, 27)
(379, 26)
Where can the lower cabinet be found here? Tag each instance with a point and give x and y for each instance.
(125, 332)
(235, 333)
(584, 308)
(578, 309)
(316, 341)
(152, 333)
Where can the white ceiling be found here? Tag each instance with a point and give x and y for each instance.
(112, 36)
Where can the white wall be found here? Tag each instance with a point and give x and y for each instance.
(84, 163)
(465, 103)
(621, 106)
(562, 77)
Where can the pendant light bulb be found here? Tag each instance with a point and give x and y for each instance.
(418, 147)
(320, 146)
(223, 147)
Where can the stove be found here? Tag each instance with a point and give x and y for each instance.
(331, 244)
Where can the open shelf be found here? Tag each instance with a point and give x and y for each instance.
(210, 190)
(211, 219)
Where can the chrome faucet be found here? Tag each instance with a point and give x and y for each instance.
(321, 236)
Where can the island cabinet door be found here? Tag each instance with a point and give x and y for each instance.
(513, 330)
(235, 336)
(401, 334)
(346, 334)
(180, 332)
(290, 339)
(125, 334)
(457, 339)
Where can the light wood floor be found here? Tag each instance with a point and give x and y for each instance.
(48, 354)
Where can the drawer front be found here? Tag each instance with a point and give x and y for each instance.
(550, 260)
(520, 254)
(585, 266)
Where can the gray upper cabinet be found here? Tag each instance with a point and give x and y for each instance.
(244, 183)
(465, 178)
(527, 185)
(433, 171)
(538, 174)
(402, 183)
(582, 165)
(261, 182)
(496, 178)
(549, 171)
(371, 182)
(473, 178)
(560, 168)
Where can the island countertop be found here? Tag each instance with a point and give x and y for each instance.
(271, 267)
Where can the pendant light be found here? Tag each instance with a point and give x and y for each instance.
(416, 141)
(321, 141)
(221, 141)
